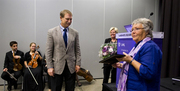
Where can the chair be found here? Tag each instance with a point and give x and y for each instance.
(44, 78)
(5, 84)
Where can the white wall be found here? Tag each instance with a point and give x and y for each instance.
(28, 21)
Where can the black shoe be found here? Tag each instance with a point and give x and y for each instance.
(9, 88)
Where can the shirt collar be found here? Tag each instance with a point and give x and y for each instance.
(62, 28)
(15, 52)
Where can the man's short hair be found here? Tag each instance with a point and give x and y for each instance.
(62, 13)
(12, 43)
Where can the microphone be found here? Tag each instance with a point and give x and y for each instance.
(150, 14)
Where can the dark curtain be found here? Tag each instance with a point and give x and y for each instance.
(170, 25)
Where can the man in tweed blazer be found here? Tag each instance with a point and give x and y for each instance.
(63, 53)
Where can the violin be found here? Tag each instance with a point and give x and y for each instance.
(33, 63)
(86, 74)
(17, 65)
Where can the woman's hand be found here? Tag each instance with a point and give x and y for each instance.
(37, 53)
(117, 65)
(27, 66)
(114, 65)
(126, 58)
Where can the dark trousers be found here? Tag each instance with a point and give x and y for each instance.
(7, 77)
(57, 80)
(49, 81)
(107, 69)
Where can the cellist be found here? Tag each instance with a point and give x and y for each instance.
(13, 65)
(33, 71)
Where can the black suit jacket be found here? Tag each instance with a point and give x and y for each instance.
(108, 40)
(8, 62)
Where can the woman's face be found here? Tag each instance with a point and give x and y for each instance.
(33, 47)
(113, 34)
(138, 33)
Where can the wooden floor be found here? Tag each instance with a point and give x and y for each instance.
(95, 85)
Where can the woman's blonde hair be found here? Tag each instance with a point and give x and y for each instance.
(113, 28)
(32, 43)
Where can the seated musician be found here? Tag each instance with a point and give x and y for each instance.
(13, 65)
(33, 72)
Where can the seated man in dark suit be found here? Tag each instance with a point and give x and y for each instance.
(13, 65)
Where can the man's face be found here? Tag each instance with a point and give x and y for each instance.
(14, 47)
(66, 20)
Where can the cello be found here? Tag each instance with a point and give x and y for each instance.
(33, 63)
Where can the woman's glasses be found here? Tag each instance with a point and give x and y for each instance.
(136, 29)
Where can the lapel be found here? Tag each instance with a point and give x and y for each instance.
(16, 53)
(70, 36)
(61, 37)
(11, 54)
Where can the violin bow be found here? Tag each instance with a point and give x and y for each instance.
(32, 75)
(11, 76)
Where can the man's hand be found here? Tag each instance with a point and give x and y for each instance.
(51, 72)
(5, 69)
(77, 68)
(17, 57)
